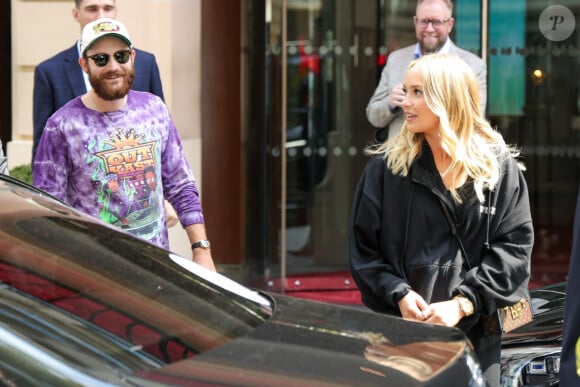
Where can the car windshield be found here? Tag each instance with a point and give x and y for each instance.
(160, 303)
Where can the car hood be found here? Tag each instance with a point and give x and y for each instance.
(548, 305)
(295, 342)
(531, 353)
(328, 345)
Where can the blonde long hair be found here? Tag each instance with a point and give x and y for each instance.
(476, 149)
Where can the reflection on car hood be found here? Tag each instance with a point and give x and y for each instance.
(330, 345)
(220, 280)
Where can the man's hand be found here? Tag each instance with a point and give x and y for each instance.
(396, 96)
(170, 215)
(195, 233)
(203, 257)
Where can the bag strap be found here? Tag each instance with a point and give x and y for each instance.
(455, 233)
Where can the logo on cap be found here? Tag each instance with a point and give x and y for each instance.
(106, 27)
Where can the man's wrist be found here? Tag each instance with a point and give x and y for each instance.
(203, 244)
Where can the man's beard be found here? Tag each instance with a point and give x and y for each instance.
(432, 47)
(110, 94)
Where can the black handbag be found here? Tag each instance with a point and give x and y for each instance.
(504, 319)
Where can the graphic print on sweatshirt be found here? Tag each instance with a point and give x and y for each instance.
(126, 169)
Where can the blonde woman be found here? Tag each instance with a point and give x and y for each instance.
(447, 179)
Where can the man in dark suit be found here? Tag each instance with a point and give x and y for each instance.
(59, 79)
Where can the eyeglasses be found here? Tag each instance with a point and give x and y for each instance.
(101, 60)
(436, 23)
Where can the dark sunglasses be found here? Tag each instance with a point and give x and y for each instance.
(101, 60)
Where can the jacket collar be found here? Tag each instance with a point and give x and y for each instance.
(424, 171)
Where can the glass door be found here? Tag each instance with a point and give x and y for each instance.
(329, 69)
(321, 67)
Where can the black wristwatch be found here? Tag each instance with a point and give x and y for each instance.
(204, 244)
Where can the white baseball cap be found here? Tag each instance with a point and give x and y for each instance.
(99, 28)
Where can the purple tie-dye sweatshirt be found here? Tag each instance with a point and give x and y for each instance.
(119, 166)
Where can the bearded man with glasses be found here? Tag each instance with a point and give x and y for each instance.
(114, 153)
(433, 23)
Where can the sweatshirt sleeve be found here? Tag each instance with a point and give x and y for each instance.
(503, 274)
(378, 110)
(50, 169)
(179, 185)
(378, 278)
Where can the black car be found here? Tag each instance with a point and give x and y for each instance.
(84, 303)
(531, 354)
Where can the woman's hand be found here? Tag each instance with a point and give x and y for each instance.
(446, 313)
(414, 307)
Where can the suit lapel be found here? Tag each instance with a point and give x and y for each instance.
(74, 73)
(452, 48)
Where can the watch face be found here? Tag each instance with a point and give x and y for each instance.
(467, 307)
(203, 244)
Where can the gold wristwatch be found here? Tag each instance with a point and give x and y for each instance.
(465, 305)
